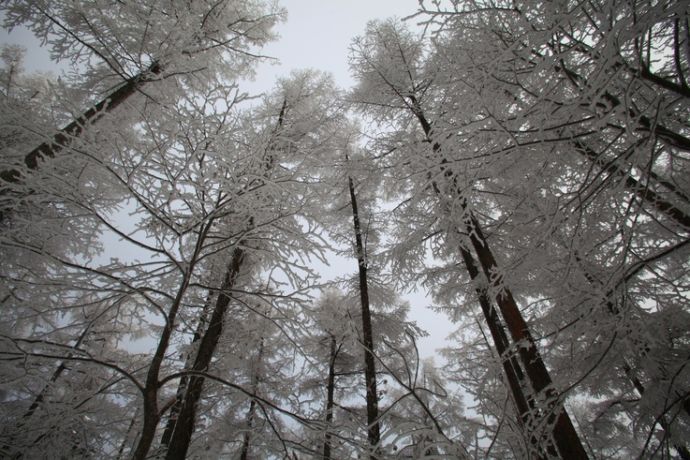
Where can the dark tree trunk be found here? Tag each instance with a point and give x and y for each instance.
(642, 191)
(151, 385)
(511, 366)
(330, 391)
(38, 401)
(373, 429)
(76, 127)
(244, 452)
(184, 380)
(566, 438)
(125, 441)
(184, 428)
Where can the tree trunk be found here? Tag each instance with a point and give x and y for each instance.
(63, 137)
(184, 380)
(151, 385)
(41, 396)
(244, 453)
(184, 428)
(373, 429)
(566, 438)
(642, 191)
(330, 390)
(125, 441)
(511, 366)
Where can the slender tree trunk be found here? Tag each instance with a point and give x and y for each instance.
(184, 428)
(38, 401)
(373, 428)
(184, 380)
(330, 391)
(74, 129)
(566, 438)
(244, 452)
(150, 390)
(56, 375)
(125, 441)
(643, 192)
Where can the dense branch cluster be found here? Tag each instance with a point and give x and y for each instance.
(165, 235)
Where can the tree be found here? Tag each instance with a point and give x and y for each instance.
(389, 62)
(125, 46)
(525, 163)
(288, 142)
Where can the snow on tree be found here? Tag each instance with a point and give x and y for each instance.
(526, 163)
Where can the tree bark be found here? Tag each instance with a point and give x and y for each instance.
(151, 386)
(330, 390)
(511, 366)
(373, 428)
(643, 192)
(125, 441)
(38, 401)
(566, 438)
(184, 428)
(244, 453)
(184, 380)
(74, 129)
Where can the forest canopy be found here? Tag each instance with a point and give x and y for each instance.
(164, 233)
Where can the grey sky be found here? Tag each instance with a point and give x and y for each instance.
(317, 35)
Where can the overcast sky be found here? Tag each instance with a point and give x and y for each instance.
(316, 35)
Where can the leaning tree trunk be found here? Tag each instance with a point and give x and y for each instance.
(184, 380)
(74, 129)
(566, 438)
(373, 428)
(669, 137)
(642, 191)
(513, 372)
(184, 426)
(38, 400)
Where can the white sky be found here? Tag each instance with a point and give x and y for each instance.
(316, 35)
